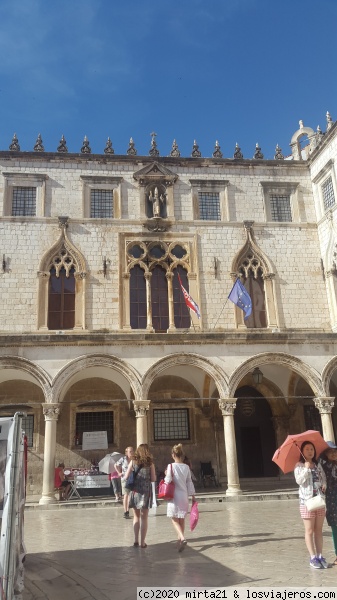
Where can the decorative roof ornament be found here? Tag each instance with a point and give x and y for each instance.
(153, 150)
(329, 121)
(258, 154)
(39, 147)
(108, 147)
(14, 146)
(63, 145)
(319, 134)
(217, 152)
(195, 150)
(237, 152)
(86, 148)
(131, 151)
(278, 153)
(175, 150)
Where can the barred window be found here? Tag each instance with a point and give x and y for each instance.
(101, 206)
(28, 428)
(24, 202)
(94, 421)
(171, 424)
(280, 208)
(312, 418)
(328, 193)
(209, 206)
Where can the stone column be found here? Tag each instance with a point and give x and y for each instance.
(325, 406)
(281, 426)
(149, 326)
(141, 408)
(227, 407)
(169, 277)
(126, 300)
(51, 414)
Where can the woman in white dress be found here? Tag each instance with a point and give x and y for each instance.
(183, 488)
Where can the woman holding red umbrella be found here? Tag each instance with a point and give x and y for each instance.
(311, 479)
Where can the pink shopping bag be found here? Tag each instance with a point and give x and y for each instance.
(194, 516)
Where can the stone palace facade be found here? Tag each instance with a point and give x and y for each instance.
(95, 334)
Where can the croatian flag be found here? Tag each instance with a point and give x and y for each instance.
(189, 300)
(241, 298)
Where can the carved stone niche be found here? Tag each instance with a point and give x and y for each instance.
(156, 191)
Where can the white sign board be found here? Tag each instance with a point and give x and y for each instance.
(94, 440)
(95, 481)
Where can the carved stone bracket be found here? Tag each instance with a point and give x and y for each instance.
(51, 411)
(324, 405)
(141, 407)
(157, 224)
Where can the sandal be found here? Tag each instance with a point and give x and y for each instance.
(136, 544)
(335, 561)
(182, 546)
(144, 546)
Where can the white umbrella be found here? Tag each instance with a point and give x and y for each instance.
(107, 464)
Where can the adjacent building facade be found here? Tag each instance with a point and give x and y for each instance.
(95, 334)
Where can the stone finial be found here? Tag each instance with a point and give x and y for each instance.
(175, 150)
(329, 121)
(237, 152)
(131, 151)
(63, 145)
(278, 153)
(195, 150)
(86, 147)
(14, 146)
(258, 154)
(108, 147)
(301, 124)
(153, 150)
(39, 147)
(217, 152)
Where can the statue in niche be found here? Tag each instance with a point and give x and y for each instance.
(156, 201)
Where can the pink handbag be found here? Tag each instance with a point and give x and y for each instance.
(166, 490)
(194, 516)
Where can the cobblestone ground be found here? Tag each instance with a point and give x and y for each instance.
(82, 554)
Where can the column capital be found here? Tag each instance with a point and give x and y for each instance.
(51, 411)
(227, 406)
(324, 404)
(141, 407)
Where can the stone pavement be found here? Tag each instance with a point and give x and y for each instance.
(81, 555)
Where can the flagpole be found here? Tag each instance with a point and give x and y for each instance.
(220, 314)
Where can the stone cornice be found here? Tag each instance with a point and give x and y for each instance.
(232, 337)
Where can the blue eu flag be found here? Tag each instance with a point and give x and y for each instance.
(241, 298)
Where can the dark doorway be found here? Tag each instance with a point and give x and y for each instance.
(252, 461)
(255, 436)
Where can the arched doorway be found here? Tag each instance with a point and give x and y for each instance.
(255, 436)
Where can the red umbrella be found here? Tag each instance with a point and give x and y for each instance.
(287, 455)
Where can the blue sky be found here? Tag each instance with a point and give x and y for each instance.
(238, 71)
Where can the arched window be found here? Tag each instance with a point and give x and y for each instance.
(61, 304)
(182, 318)
(159, 300)
(254, 285)
(138, 317)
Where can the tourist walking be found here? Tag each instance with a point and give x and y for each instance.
(180, 474)
(121, 467)
(140, 497)
(328, 460)
(311, 479)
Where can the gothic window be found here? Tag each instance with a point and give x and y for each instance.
(182, 318)
(156, 301)
(252, 272)
(61, 305)
(138, 318)
(159, 300)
